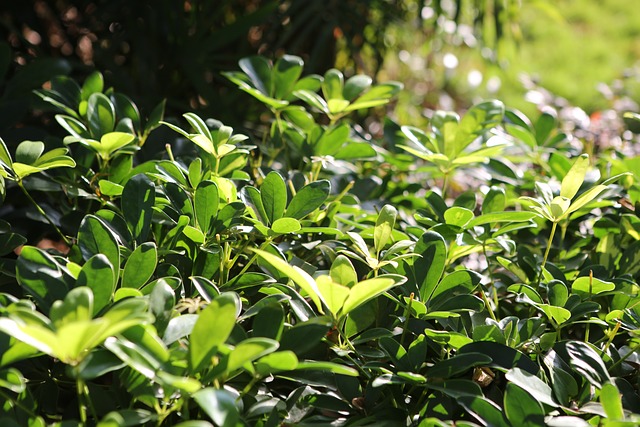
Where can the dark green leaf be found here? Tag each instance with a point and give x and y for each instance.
(98, 274)
(308, 199)
(274, 196)
(138, 198)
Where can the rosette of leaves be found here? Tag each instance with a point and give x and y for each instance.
(90, 111)
(223, 156)
(450, 144)
(343, 97)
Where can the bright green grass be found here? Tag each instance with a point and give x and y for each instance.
(592, 42)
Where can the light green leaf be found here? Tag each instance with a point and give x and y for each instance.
(285, 226)
(591, 286)
(573, 180)
(366, 290)
(274, 196)
(212, 329)
(334, 294)
(384, 226)
(308, 199)
(299, 277)
(220, 405)
(206, 200)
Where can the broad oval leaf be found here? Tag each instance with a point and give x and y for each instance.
(308, 199)
(212, 329)
(140, 266)
(138, 198)
(273, 193)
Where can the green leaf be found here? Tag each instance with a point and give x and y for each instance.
(42, 276)
(384, 226)
(591, 286)
(457, 364)
(299, 276)
(343, 272)
(269, 322)
(366, 290)
(611, 401)
(355, 85)
(258, 69)
(331, 367)
(206, 202)
(584, 359)
(98, 275)
(285, 74)
(332, 85)
(92, 84)
(138, 198)
(140, 266)
(12, 379)
(484, 410)
(5, 157)
(333, 294)
(521, 408)
(205, 337)
(585, 198)
(201, 127)
(101, 114)
(429, 267)
(285, 226)
(95, 237)
(573, 180)
(458, 216)
(533, 385)
(308, 199)
(220, 405)
(460, 282)
(248, 351)
(29, 151)
(273, 193)
(112, 142)
(276, 362)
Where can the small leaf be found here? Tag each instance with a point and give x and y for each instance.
(205, 338)
(533, 385)
(220, 405)
(206, 202)
(308, 199)
(97, 274)
(138, 198)
(384, 226)
(101, 114)
(611, 401)
(573, 180)
(343, 272)
(299, 276)
(29, 151)
(366, 290)
(521, 408)
(274, 196)
(285, 226)
(591, 286)
(140, 266)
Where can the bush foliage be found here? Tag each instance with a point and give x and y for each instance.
(479, 271)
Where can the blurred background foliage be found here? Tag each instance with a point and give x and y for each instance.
(448, 53)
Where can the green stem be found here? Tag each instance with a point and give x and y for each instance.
(43, 213)
(546, 252)
(82, 409)
(255, 256)
(6, 398)
(488, 305)
(632, 351)
(407, 314)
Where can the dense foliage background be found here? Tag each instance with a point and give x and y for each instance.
(310, 213)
